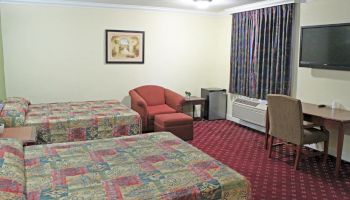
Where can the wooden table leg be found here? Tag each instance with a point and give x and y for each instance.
(193, 110)
(202, 110)
(339, 148)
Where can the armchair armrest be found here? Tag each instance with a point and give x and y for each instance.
(140, 106)
(137, 100)
(174, 100)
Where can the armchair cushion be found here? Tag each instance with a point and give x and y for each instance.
(161, 109)
(174, 100)
(152, 94)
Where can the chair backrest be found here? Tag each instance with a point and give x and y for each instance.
(152, 94)
(285, 118)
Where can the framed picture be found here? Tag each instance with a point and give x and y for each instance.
(125, 46)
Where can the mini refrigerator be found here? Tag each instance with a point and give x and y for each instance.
(215, 104)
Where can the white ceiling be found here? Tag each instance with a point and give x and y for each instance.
(215, 5)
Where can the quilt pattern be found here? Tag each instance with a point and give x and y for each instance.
(77, 121)
(148, 166)
(13, 114)
(12, 181)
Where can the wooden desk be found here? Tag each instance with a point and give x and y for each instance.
(195, 101)
(25, 134)
(326, 117)
(329, 117)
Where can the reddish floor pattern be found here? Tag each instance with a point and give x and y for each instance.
(243, 150)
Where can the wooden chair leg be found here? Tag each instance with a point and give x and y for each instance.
(297, 159)
(325, 151)
(270, 145)
(267, 128)
(266, 140)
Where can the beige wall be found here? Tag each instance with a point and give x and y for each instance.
(55, 53)
(324, 86)
(2, 75)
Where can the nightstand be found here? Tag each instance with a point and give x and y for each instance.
(26, 134)
(193, 100)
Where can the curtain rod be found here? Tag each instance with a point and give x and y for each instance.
(259, 5)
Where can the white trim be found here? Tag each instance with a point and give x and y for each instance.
(245, 123)
(106, 5)
(259, 5)
(230, 118)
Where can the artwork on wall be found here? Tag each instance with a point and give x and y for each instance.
(125, 46)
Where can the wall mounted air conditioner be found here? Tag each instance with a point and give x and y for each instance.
(249, 112)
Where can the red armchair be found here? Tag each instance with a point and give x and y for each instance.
(151, 100)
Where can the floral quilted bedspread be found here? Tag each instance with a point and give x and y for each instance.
(12, 179)
(148, 166)
(77, 121)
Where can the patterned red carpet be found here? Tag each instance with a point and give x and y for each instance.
(243, 150)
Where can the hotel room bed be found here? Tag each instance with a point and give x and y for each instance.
(72, 121)
(76, 121)
(148, 166)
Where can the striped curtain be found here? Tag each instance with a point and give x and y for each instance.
(261, 51)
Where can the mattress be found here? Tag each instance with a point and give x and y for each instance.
(77, 121)
(148, 166)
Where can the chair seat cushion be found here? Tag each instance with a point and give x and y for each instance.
(159, 109)
(174, 119)
(313, 135)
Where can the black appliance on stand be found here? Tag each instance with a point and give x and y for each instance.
(216, 103)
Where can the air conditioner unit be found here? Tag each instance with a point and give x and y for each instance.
(250, 112)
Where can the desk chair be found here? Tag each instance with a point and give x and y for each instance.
(286, 123)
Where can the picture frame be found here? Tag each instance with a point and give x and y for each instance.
(125, 47)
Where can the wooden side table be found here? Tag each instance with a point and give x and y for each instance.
(26, 134)
(193, 100)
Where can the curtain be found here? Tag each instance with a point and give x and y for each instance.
(261, 51)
